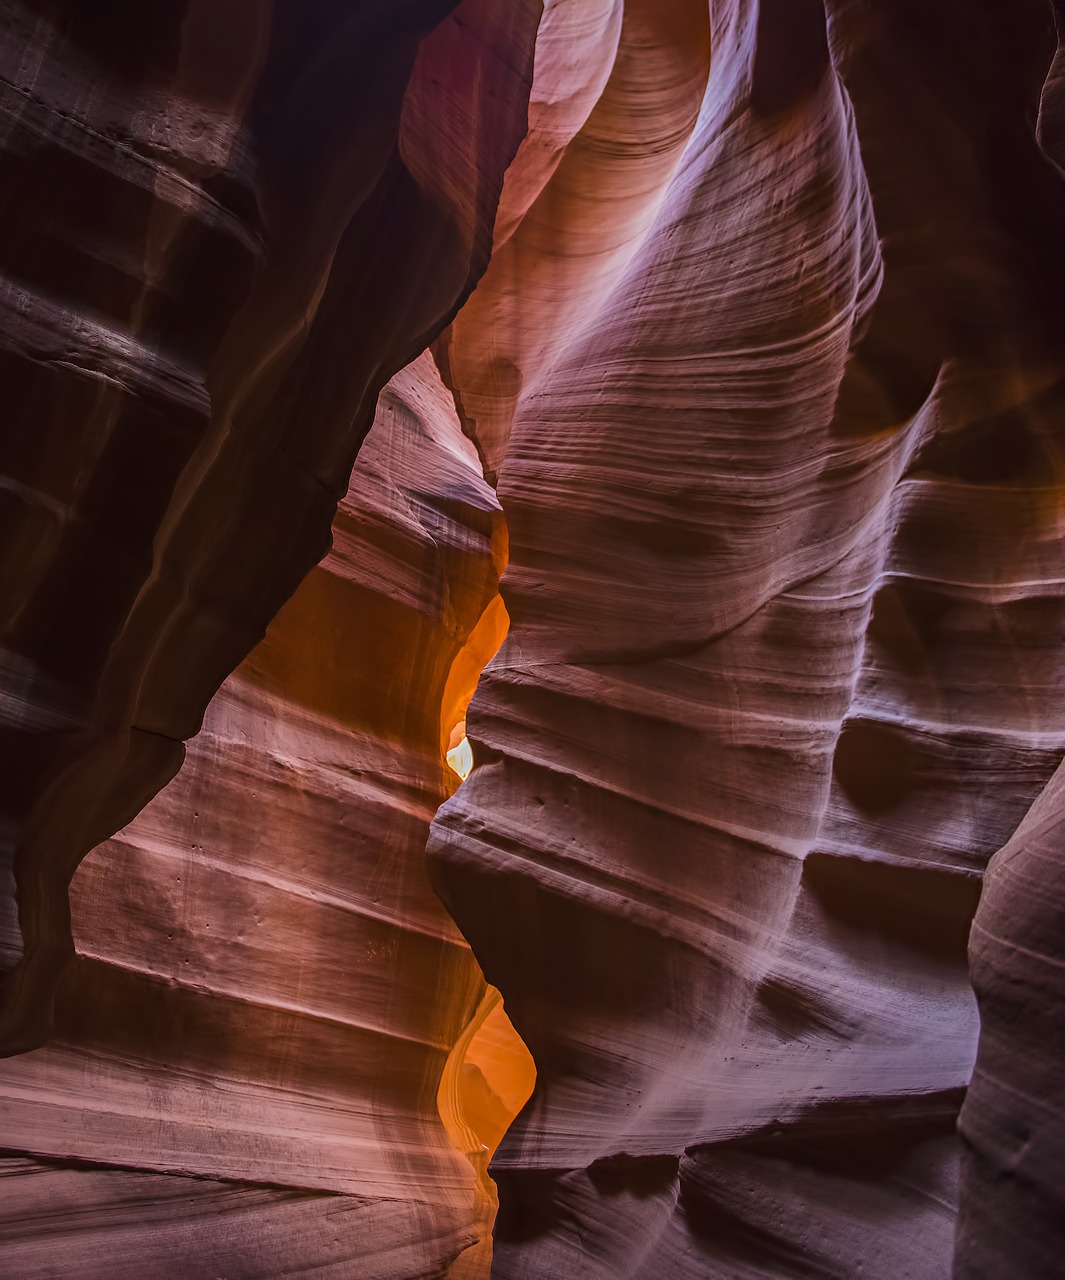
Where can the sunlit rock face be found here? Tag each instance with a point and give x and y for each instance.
(224, 227)
(763, 380)
(266, 989)
(777, 431)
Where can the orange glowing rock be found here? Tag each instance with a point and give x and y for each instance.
(764, 384)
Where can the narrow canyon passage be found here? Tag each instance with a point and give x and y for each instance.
(225, 1051)
(532, 705)
(271, 993)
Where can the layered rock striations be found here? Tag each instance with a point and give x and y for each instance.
(224, 228)
(267, 992)
(763, 381)
(784, 664)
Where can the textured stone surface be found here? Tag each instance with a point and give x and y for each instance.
(224, 228)
(266, 989)
(118, 1223)
(1013, 1208)
(784, 667)
(767, 368)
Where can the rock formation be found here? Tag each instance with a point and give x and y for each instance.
(265, 985)
(757, 405)
(226, 227)
(784, 664)
(224, 233)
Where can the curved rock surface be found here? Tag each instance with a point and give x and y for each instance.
(226, 227)
(266, 990)
(764, 383)
(1013, 1208)
(784, 666)
(223, 232)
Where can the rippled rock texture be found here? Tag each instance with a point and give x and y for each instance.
(266, 989)
(764, 383)
(784, 668)
(225, 227)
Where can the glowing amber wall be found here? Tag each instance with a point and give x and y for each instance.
(767, 369)
(267, 987)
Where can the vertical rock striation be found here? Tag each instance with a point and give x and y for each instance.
(784, 664)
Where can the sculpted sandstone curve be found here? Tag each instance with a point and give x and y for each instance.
(267, 994)
(222, 239)
(732, 337)
(785, 588)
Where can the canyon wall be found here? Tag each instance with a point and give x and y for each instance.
(250, 1042)
(757, 405)
(225, 227)
(783, 486)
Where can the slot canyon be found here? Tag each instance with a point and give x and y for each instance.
(533, 687)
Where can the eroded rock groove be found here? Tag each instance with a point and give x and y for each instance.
(730, 333)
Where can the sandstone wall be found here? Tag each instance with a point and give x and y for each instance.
(784, 665)
(762, 385)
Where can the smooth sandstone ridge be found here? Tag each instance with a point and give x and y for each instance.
(770, 372)
(266, 988)
(226, 227)
(724, 340)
